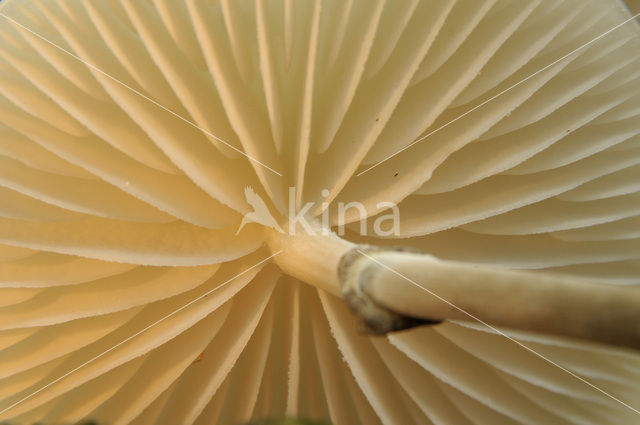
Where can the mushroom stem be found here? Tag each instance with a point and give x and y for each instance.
(422, 286)
(395, 289)
(311, 255)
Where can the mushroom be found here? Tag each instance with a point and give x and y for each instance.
(136, 136)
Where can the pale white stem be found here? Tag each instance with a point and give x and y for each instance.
(422, 286)
(392, 290)
(311, 255)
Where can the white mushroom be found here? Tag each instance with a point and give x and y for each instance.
(137, 135)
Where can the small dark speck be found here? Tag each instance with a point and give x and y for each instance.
(377, 119)
(200, 357)
(395, 175)
(569, 131)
